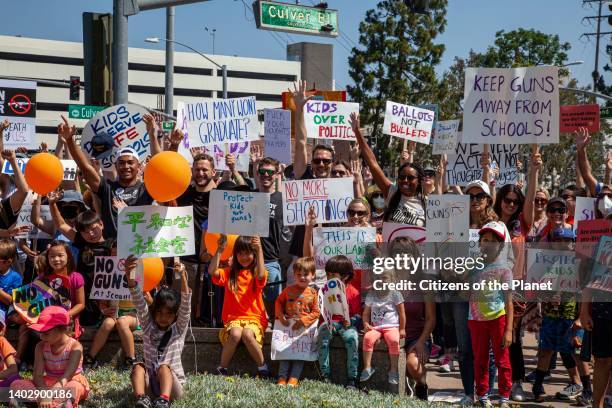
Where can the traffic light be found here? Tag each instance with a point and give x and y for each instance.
(75, 88)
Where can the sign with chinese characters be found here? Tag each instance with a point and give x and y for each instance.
(152, 231)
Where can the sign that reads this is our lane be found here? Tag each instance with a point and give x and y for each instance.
(295, 18)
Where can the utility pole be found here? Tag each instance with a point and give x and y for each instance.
(168, 102)
(597, 34)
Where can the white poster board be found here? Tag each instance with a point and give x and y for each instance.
(332, 301)
(110, 281)
(18, 106)
(277, 134)
(585, 210)
(329, 119)
(446, 137)
(560, 268)
(408, 122)
(289, 344)
(464, 166)
(239, 213)
(70, 168)
(24, 218)
(356, 243)
(448, 218)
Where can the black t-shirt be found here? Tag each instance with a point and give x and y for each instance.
(85, 264)
(199, 201)
(133, 196)
(7, 216)
(271, 245)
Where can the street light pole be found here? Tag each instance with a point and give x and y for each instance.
(169, 90)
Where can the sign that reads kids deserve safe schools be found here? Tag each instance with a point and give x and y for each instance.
(114, 128)
(408, 122)
(329, 197)
(329, 120)
(511, 106)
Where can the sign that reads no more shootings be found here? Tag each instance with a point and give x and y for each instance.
(294, 18)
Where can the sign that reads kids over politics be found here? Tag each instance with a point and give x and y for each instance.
(329, 120)
(511, 106)
(329, 197)
(114, 128)
(408, 122)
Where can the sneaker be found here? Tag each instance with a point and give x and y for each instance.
(366, 374)
(435, 351)
(143, 402)
(569, 392)
(23, 366)
(446, 364)
(585, 399)
(282, 381)
(421, 392)
(222, 371)
(517, 394)
(351, 385)
(465, 401)
(264, 374)
(531, 376)
(485, 403)
(293, 382)
(539, 395)
(161, 403)
(90, 363)
(393, 378)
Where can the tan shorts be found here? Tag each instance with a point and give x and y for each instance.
(255, 327)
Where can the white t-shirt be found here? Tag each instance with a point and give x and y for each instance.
(409, 209)
(383, 308)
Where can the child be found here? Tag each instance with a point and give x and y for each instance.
(9, 278)
(383, 316)
(340, 267)
(8, 364)
(244, 314)
(490, 314)
(300, 303)
(57, 361)
(164, 327)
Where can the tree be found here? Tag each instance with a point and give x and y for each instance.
(395, 61)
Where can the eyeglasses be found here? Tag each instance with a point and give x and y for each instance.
(406, 177)
(326, 162)
(510, 201)
(567, 197)
(266, 172)
(338, 173)
(355, 213)
(478, 197)
(540, 201)
(558, 210)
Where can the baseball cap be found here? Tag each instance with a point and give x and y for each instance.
(480, 184)
(429, 169)
(72, 196)
(556, 200)
(498, 228)
(50, 318)
(566, 233)
(102, 145)
(127, 151)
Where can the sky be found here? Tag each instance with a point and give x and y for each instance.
(471, 24)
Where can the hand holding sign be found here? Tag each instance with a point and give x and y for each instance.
(299, 94)
(536, 158)
(4, 125)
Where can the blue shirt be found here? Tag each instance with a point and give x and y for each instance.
(9, 281)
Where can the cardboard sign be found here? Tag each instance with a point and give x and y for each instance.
(316, 95)
(392, 230)
(445, 140)
(152, 231)
(574, 117)
(356, 243)
(110, 281)
(239, 213)
(585, 210)
(511, 105)
(70, 168)
(560, 268)
(448, 218)
(589, 233)
(219, 121)
(330, 197)
(474, 251)
(112, 129)
(601, 276)
(329, 120)
(277, 135)
(18, 105)
(332, 301)
(408, 122)
(289, 344)
(464, 166)
(24, 218)
(31, 299)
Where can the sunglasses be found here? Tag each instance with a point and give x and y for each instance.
(478, 197)
(406, 177)
(567, 197)
(510, 201)
(429, 173)
(558, 210)
(326, 162)
(541, 201)
(355, 213)
(266, 172)
(338, 173)
(602, 195)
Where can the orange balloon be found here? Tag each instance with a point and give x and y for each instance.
(152, 271)
(167, 176)
(44, 173)
(211, 238)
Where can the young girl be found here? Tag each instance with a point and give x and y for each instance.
(8, 365)
(243, 312)
(57, 361)
(297, 306)
(164, 327)
(383, 316)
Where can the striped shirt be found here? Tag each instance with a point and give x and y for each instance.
(55, 364)
(152, 335)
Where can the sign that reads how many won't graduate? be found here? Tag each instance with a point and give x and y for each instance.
(329, 119)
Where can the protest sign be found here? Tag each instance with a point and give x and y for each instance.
(31, 299)
(18, 106)
(277, 134)
(329, 120)
(474, 251)
(574, 117)
(330, 197)
(219, 121)
(332, 301)
(315, 95)
(70, 168)
(356, 243)
(585, 210)
(464, 166)
(445, 139)
(392, 230)
(408, 122)
(560, 268)
(589, 233)
(511, 106)
(110, 281)
(239, 213)
(289, 344)
(114, 128)
(448, 218)
(152, 231)
(601, 276)
(24, 218)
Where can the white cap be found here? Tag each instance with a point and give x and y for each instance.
(127, 151)
(480, 184)
(498, 228)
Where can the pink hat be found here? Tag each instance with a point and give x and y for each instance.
(51, 317)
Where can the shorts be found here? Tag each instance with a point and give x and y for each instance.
(600, 343)
(255, 327)
(411, 342)
(556, 335)
(130, 312)
(273, 287)
(152, 385)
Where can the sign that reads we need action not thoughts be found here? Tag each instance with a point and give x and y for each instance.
(408, 122)
(511, 106)
(464, 166)
(239, 213)
(329, 120)
(218, 121)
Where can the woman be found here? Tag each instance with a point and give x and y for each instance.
(556, 218)
(377, 202)
(539, 213)
(481, 204)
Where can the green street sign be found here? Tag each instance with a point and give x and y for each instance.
(292, 18)
(84, 111)
(167, 126)
(605, 113)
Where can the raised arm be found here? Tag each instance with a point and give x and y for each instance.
(300, 98)
(230, 162)
(43, 225)
(182, 322)
(368, 155)
(67, 133)
(311, 220)
(608, 174)
(153, 131)
(532, 185)
(582, 140)
(3, 126)
(213, 267)
(440, 180)
(142, 308)
(358, 187)
(58, 221)
(261, 267)
(19, 196)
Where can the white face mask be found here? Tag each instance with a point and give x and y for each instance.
(379, 202)
(605, 206)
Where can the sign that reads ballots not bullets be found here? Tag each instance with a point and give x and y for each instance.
(110, 281)
(329, 197)
(218, 121)
(152, 231)
(511, 106)
(239, 213)
(354, 243)
(408, 122)
(329, 120)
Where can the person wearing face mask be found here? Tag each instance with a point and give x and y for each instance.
(603, 203)
(377, 202)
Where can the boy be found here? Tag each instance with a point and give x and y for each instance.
(9, 278)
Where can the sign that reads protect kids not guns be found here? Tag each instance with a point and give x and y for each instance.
(239, 213)
(408, 122)
(329, 120)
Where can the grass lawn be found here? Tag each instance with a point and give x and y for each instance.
(111, 388)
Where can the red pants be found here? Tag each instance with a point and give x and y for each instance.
(483, 334)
